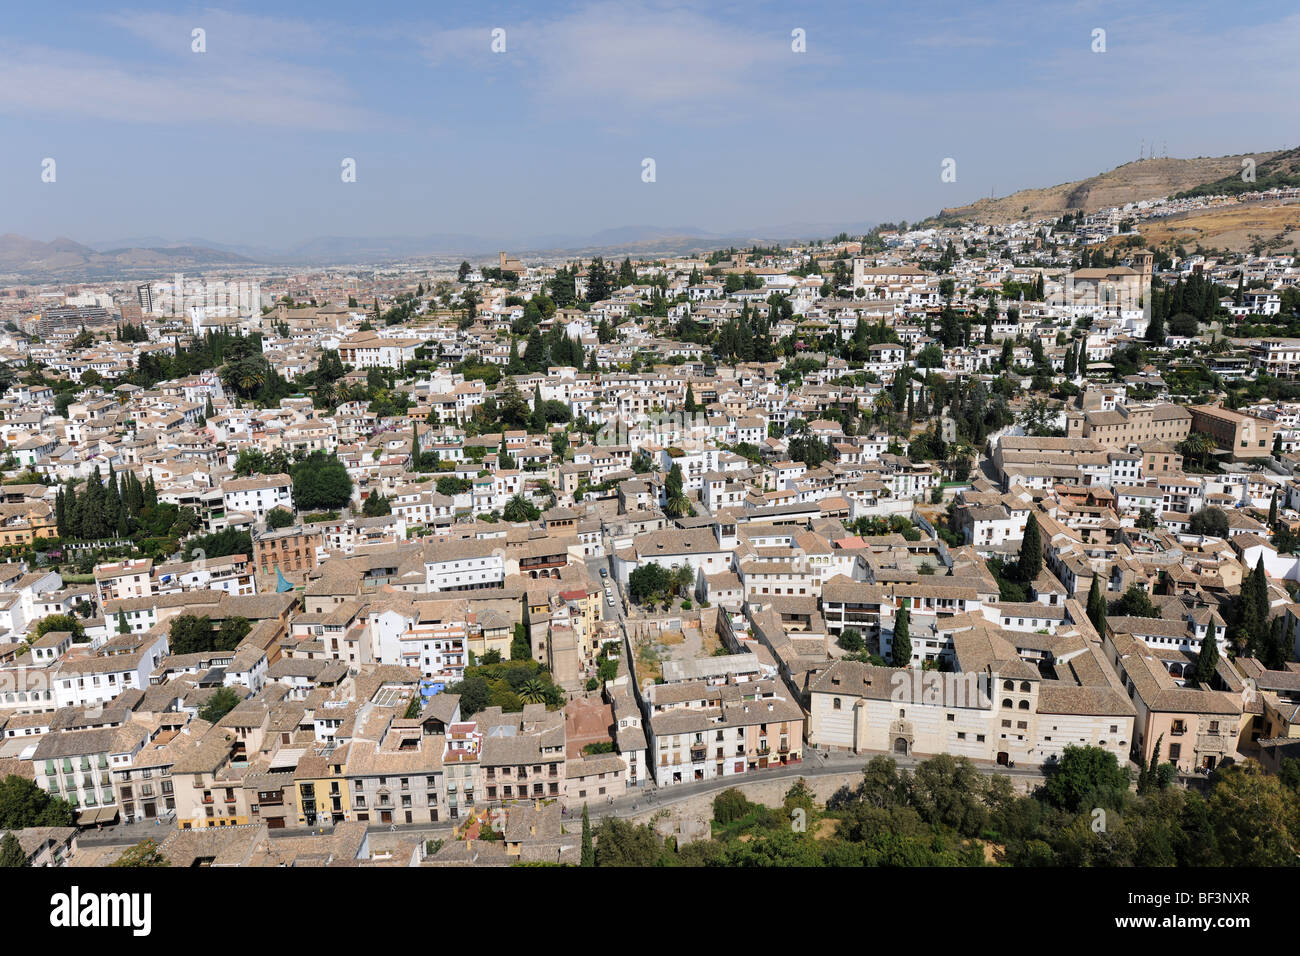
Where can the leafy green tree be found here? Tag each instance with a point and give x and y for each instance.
(949, 791)
(23, 804)
(376, 506)
(143, 854)
(520, 649)
(806, 447)
(11, 853)
(650, 581)
(1086, 777)
(190, 634)
(1256, 818)
(619, 843)
(279, 518)
(320, 483)
(1209, 521)
(1135, 603)
(222, 702)
(62, 622)
(232, 631)
(450, 486)
(220, 544)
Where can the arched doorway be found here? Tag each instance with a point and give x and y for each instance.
(1002, 758)
(900, 746)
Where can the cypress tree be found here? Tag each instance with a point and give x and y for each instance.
(1097, 606)
(1207, 658)
(1148, 777)
(1272, 512)
(588, 851)
(1155, 333)
(1262, 608)
(535, 352)
(74, 508)
(539, 416)
(1251, 624)
(901, 649)
(94, 520)
(132, 496)
(1031, 551)
(112, 504)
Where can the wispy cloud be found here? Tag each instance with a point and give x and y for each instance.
(633, 55)
(952, 40)
(229, 35)
(242, 79)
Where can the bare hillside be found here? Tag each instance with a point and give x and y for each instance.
(1141, 179)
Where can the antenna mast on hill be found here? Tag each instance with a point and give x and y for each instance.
(1142, 150)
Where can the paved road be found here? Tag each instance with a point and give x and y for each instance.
(127, 833)
(648, 798)
(814, 765)
(607, 613)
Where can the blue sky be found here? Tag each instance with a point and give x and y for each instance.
(243, 143)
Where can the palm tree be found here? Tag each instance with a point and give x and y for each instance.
(1197, 445)
(884, 406)
(678, 505)
(246, 376)
(532, 692)
(325, 392)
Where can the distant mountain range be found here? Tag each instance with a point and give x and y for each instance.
(149, 256)
(152, 256)
(66, 259)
